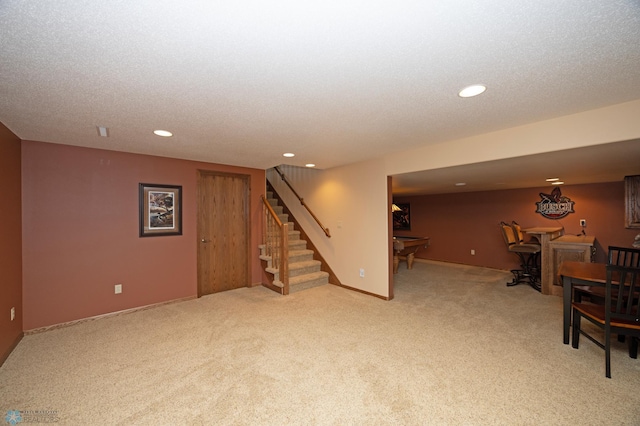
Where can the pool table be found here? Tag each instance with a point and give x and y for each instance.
(407, 246)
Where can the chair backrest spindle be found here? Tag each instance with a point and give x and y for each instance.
(624, 279)
(624, 256)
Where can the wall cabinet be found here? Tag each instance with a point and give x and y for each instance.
(571, 248)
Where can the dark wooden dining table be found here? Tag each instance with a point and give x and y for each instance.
(578, 273)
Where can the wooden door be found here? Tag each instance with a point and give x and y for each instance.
(223, 232)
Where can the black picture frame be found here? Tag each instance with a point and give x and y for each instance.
(160, 209)
(402, 216)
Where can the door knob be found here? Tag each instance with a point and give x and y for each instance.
(204, 240)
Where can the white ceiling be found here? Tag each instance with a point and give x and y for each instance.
(241, 82)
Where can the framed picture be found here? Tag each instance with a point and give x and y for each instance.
(401, 216)
(632, 201)
(160, 210)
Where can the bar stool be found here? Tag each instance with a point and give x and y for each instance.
(517, 229)
(528, 254)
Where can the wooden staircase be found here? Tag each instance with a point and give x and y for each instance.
(304, 271)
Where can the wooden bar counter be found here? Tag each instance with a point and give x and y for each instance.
(544, 235)
(568, 248)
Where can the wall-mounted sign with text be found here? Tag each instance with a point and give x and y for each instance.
(554, 205)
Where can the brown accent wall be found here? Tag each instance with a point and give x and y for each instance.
(10, 243)
(458, 223)
(81, 232)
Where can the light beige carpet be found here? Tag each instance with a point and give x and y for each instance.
(455, 347)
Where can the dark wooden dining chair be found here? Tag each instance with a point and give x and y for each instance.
(619, 315)
(528, 254)
(621, 256)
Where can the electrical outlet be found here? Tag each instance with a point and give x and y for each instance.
(473, 252)
(118, 288)
(583, 223)
(361, 272)
(13, 314)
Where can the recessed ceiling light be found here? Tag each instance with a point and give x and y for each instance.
(288, 154)
(473, 90)
(559, 182)
(309, 165)
(103, 131)
(461, 184)
(163, 133)
(552, 179)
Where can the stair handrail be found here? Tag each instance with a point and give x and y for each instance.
(275, 238)
(284, 178)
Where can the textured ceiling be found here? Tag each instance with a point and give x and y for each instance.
(240, 82)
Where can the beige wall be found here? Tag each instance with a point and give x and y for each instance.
(356, 195)
(342, 201)
(612, 124)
